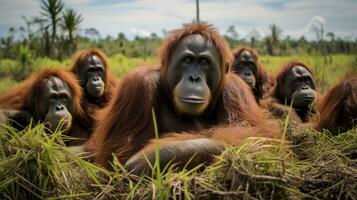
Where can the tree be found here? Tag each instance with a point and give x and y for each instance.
(254, 35)
(275, 33)
(6, 43)
(268, 42)
(92, 33)
(70, 24)
(331, 35)
(331, 46)
(51, 9)
(12, 32)
(25, 68)
(232, 33)
(121, 36)
(154, 36)
(317, 26)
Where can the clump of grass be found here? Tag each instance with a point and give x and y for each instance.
(331, 170)
(34, 165)
(258, 169)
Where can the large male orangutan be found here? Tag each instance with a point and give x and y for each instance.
(51, 96)
(91, 67)
(199, 105)
(248, 67)
(295, 86)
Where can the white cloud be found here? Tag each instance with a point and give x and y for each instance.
(294, 17)
(140, 32)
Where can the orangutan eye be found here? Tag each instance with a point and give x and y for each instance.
(63, 96)
(188, 60)
(203, 61)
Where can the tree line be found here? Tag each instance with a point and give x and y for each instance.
(54, 33)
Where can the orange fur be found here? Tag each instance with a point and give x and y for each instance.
(275, 103)
(126, 125)
(26, 96)
(338, 109)
(264, 82)
(89, 105)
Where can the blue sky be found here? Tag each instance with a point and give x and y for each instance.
(142, 17)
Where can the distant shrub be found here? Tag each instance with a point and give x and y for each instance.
(25, 66)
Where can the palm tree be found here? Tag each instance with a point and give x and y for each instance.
(275, 35)
(331, 35)
(268, 43)
(52, 9)
(232, 33)
(12, 32)
(331, 45)
(253, 36)
(70, 24)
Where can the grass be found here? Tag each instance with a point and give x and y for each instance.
(329, 69)
(119, 66)
(34, 165)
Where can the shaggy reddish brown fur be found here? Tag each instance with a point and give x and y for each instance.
(90, 105)
(264, 82)
(282, 75)
(27, 95)
(126, 125)
(275, 103)
(338, 109)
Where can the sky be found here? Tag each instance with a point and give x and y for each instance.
(143, 17)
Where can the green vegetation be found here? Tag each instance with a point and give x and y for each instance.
(12, 70)
(34, 165)
(329, 69)
(54, 33)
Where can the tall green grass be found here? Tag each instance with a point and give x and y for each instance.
(35, 165)
(329, 69)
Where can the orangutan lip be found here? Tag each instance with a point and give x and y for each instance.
(193, 100)
(97, 89)
(307, 98)
(249, 82)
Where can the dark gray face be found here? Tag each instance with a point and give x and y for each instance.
(247, 71)
(193, 74)
(300, 87)
(92, 76)
(246, 68)
(57, 104)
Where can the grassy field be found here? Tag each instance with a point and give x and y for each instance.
(34, 165)
(119, 66)
(329, 69)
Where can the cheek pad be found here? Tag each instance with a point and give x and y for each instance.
(70, 105)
